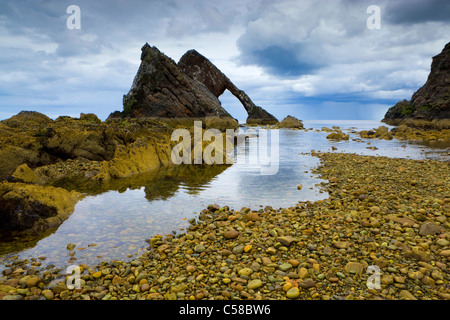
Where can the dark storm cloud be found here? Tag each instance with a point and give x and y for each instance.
(295, 38)
(279, 61)
(417, 11)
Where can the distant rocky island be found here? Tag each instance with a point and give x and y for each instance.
(189, 89)
(430, 105)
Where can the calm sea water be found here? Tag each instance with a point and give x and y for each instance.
(113, 223)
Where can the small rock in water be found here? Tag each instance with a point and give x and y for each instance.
(333, 180)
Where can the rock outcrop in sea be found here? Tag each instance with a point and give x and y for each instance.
(430, 102)
(163, 89)
(290, 122)
(197, 67)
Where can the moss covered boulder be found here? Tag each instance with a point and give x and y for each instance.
(139, 157)
(290, 122)
(35, 208)
(338, 135)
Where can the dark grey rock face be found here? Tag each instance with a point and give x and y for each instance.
(432, 101)
(197, 67)
(189, 89)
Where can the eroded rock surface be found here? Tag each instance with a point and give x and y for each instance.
(161, 90)
(189, 89)
(197, 67)
(430, 102)
(32, 207)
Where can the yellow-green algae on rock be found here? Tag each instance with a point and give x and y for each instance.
(141, 156)
(27, 175)
(33, 207)
(405, 132)
(290, 122)
(37, 150)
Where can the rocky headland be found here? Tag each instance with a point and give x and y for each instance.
(429, 106)
(36, 151)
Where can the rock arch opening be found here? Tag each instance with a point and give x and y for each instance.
(198, 67)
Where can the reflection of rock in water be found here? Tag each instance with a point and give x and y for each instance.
(194, 177)
(161, 183)
(17, 241)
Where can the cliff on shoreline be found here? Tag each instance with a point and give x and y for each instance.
(430, 105)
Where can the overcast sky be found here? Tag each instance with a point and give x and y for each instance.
(312, 59)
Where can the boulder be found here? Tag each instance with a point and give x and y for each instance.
(338, 135)
(430, 229)
(33, 207)
(290, 122)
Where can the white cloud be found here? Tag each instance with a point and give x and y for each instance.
(336, 54)
(328, 51)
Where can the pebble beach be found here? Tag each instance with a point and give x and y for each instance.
(387, 214)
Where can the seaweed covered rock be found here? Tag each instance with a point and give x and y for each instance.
(381, 132)
(405, 132)
(19, 141)
(141, 156)
(36, 140)
(32, 207)
(25, 174)
(338, 135)
(27, 118)
(430, 102)
(290, 122)
(79, 140)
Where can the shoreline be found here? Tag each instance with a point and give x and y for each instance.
(378, 214)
